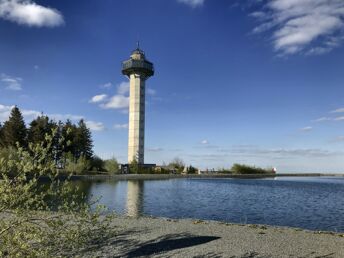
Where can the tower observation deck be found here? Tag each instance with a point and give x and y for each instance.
(138, 69)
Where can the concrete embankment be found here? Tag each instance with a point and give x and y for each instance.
(156, 237)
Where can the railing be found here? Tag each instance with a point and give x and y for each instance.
(137, 64)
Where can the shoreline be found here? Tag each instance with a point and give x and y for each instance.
(163, 237)
(190, 176)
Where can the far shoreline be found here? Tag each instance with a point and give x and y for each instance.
(123, 177)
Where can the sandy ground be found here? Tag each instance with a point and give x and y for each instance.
(156, 237)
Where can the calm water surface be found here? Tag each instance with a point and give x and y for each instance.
(315, 203)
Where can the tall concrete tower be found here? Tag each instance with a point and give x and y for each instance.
(138, 69)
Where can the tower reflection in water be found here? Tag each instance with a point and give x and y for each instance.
(135, 198)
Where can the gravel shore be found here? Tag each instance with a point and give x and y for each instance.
(157, 237)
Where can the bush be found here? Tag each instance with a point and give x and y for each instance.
(43, 220)
(9, 154)
(244, 169)
(111, 166)
(77, 167)
(177, 164)
(192, 170)
(224, 170)
(134, 167)
(97, 164)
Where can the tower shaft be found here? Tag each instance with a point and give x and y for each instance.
(136, 118)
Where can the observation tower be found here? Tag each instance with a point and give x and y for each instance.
(138, 69)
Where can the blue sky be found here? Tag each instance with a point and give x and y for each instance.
(257, 82)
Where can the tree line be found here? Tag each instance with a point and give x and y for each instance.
(71, 142)
(75, 139)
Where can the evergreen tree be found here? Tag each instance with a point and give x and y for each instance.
(97, 164)
(39, 128)
(68, 133)
(58, 145)
(74, 141)
(83, 141)
(1, 136)
(14, 130)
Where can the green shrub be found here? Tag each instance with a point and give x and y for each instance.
(177, 164)
(224, 170)
(134, 167)
(43, 220)
(9, 154)
(111, 166)
(77, 167)
(244, 169)
(97, 164)
(192, 170)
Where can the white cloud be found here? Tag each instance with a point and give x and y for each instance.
(64, 117)
(151, 92)
(339, 139)
(322, 119)
(258, 14)
(306, 129)
(340, 118)
(36, 67)
(155, 149)
(192, 3)
(316, 51)
(312, 26)
(12, 83)
(204, 142)
(123, 88)
(98, 98)
(283, 153)
(27, 12)
(95, 126)
(29, 115)
(120, 126)
(5, 112)
(106, 85)
(32, 114)
(339, 110)
(116, 102)
(120, 100)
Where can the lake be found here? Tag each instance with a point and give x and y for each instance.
(315, 203)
